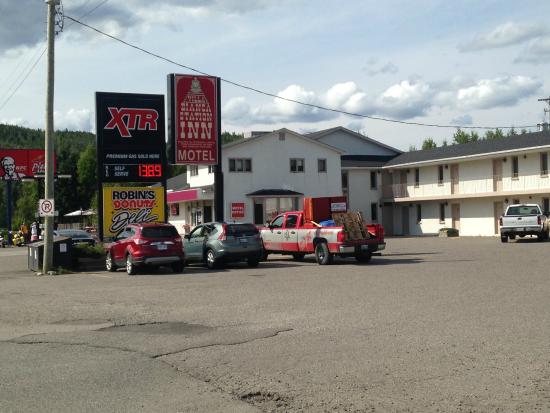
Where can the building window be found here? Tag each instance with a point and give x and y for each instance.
(297, 165)
(544, 164)
(344, 180)
(240, 165)
(174, 209)
(515, 201)
(210, 169)
(440, 175)
(193, 170)
(515, 167)
(374, 211)
(419, 213)
(416, 177)
(321, 165)
(373, 180)
(441, 213)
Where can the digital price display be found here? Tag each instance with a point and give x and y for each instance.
(150, 170)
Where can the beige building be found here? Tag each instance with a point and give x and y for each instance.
(465, 186)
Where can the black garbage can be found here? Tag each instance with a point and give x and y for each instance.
(62, 254)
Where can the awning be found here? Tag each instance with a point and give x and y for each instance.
(80, 212)
(275, 192)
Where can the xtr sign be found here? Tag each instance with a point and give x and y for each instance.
(127, 119)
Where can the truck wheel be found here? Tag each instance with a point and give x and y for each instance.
(541, 237)
(503, 238)
(322, 254)
(253, 262)
(110, 263)
(298, 256)
(363, 256)
(512, 237)
(130, 266)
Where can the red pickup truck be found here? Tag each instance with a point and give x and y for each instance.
(289, 233)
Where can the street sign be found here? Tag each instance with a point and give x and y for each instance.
(46, 208)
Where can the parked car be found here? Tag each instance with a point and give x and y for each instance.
(215, 243)
(141, 245)
(522, 220)
(78, 236)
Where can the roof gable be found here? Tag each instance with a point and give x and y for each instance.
(368, 143)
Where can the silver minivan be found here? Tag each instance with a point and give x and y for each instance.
(216, 243)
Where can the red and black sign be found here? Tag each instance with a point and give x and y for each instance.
(130, 137)
(22, 163)
(237, 210)
(194, 119)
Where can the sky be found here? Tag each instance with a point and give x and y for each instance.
(467, 63)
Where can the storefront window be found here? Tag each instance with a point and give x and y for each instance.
(271, 208)
(274, 206)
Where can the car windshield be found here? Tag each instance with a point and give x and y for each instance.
(159, 232)
(240, 230)
(73, 233)
(523, 210)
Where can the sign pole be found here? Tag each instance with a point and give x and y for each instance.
(9, 194)
(218, 174)
(48, 193)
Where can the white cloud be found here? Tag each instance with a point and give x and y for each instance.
(74, 119)
(537, 51)
(404, 100)
(463, 120)
(16, 122)
(500, 91)
(505, 35)
(373, 68)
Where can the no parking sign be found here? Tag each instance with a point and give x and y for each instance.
(46, 208)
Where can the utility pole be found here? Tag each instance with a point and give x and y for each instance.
(49, 179)
(546, 110)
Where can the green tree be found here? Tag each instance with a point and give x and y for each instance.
(460, 137)
(86, 173)
(474, 136)
(428, 143)
(26, 205)
(412, 148)
(228, 137)
(496, 134)
(511, 132)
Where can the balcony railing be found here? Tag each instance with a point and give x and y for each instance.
(469, 186)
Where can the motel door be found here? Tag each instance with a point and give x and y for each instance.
(497, 175)
(405, 220)
(454, 179)
(455, 216)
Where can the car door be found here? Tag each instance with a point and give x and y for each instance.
(119, 247)
(290, 232)
(193, 244)
(273, 235)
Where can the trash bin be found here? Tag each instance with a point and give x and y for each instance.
(62, 254)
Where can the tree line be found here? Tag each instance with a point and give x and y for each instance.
(75, 156)
(460, 137)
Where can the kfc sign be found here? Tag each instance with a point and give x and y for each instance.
(194, 119)
(22, 163)
(126, 119)
(237, 210)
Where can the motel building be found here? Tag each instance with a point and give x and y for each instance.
(271, 172)
(466, 187)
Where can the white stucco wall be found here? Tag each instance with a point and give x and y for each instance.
(361, 195)
(202, 179)
(271, 170)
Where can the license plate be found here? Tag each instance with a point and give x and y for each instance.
(243, 240)
(162, 246)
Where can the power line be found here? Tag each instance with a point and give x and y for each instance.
(311, 105)
(42, 54)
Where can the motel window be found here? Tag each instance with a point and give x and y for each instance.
(440, 175)
(297, 165)
(240, 165)
(515, 167)
(210, 169)
(321, 165)
(544, 164)
(416, 177)
(441, 213)
(194, 170)
(374, 211)
(418, 213)
(174, 209)
(373, 180)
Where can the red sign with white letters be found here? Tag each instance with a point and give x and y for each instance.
(195, 120)
(237, 210)
(22, 163)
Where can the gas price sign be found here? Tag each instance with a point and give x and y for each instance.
(130, 137)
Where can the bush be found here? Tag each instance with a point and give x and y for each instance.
(448, 232)
(89, 251)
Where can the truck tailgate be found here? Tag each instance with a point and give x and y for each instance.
(519, 221)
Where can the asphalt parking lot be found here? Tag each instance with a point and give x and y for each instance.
(433, 325)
